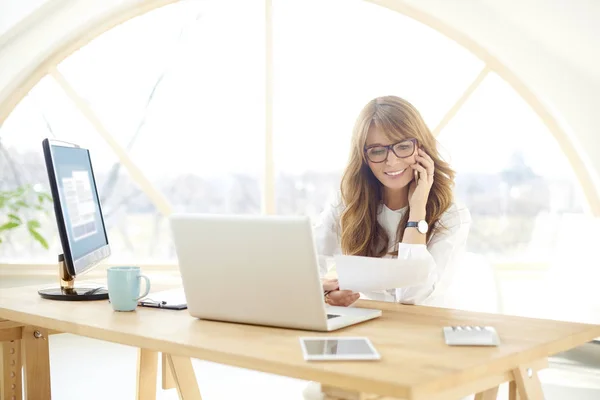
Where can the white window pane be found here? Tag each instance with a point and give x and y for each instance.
(130, 216)
(116, 72)
(201, 140)
(512, 174)
(331, 57)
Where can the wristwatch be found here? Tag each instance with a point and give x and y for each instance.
(421, 225)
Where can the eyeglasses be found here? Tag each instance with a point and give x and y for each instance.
(377, 153)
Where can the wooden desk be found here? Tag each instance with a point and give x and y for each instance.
(416, 364)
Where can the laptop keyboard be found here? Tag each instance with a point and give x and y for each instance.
(329, 316)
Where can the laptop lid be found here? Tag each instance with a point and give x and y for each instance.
(254, 269)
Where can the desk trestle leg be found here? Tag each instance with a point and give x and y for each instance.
(36, 363)
(490, 394)
(146, 374)
(333, 393)
(10, 360)
(177, 372)
(10, 370)
(513, 394)
(528, 384)
(167, 375)
(524, 384)
(184, 377)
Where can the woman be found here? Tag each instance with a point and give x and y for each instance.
(396, 201)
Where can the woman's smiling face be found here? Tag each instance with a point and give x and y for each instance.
(390, 165)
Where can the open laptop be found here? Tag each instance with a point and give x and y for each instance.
(253, 269)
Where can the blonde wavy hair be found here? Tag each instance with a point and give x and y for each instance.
(361, 191)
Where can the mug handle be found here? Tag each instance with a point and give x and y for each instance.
(145, 278)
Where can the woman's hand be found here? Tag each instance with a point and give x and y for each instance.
(330, 284)
(342, 298)
(418, 191)
(337, 297)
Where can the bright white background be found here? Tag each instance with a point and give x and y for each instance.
(182, 89)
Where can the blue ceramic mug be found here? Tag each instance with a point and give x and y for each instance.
(124, 287)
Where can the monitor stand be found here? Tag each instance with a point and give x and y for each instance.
(67, 290)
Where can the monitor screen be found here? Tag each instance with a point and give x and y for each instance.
(76, 205)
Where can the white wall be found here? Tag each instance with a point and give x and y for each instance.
(551, 46)
(12, 11)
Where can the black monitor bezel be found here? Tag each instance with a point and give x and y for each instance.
(104, 251)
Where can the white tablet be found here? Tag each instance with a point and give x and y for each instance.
(338, 348)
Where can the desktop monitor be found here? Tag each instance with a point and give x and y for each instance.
(79, 219)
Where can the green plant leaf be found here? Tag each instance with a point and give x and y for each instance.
(15, 218)
(21, 190)
(9, 225)
(36, 235)
(15, 202)
(44, 197)
(22, 204)
(33, 224)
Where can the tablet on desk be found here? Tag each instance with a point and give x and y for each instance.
(168, 299)
(338, 348)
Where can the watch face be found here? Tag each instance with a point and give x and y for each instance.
(422, 226)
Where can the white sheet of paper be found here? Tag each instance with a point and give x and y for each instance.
(365, 274)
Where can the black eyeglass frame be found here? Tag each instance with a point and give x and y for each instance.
(391, 147)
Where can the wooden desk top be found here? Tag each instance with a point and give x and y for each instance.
(415, 360)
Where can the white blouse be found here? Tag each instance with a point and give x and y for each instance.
(442, 253)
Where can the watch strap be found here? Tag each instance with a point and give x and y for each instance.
(417, 225)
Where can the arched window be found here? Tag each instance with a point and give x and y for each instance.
(172, 105)
(182, 93)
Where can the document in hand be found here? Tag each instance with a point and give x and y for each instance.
(365, 274)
